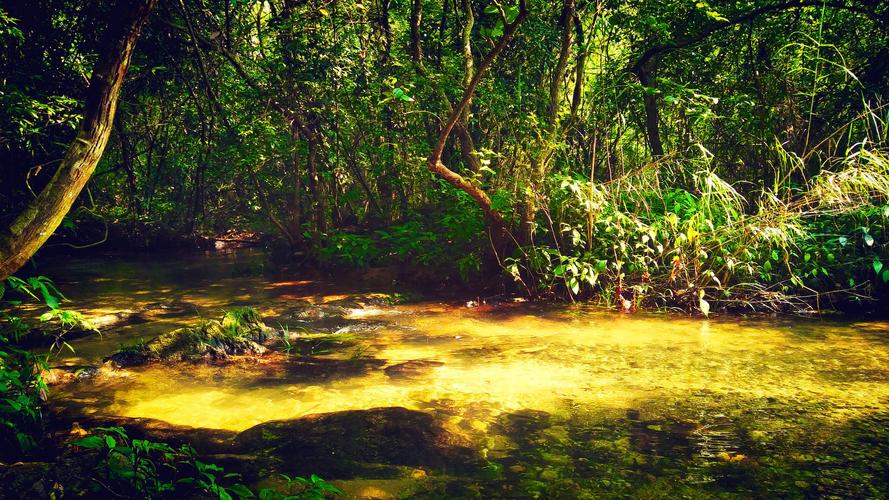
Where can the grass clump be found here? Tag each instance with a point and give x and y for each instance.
(240, 321)
(239, 332)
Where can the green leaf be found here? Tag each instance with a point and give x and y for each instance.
(512, 12)
(878, 266)
(495, 32)
(93, 442)
(886, 276)
(110, 442)
(242, 491)
(401, 95)
(868, 240)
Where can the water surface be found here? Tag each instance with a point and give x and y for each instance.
(557, 401)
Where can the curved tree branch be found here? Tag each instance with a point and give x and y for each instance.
(494, 218)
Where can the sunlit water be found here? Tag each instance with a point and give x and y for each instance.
(559, 401)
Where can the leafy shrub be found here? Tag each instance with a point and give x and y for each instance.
(450, 241)
(142, 468)
(628, 240)
(21, 387)
(21, 383)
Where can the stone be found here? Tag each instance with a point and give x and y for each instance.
(411, 369)
(391, 436)
(240, 332)
(66, 374)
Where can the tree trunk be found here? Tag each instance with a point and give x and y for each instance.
(541, 161)
(39, 220)
(647, 77)
(496, 224)
(296, 200)
(416, 21)
(467, 145)
(315, 185)
(128, 160)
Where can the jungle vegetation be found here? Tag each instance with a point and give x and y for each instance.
(644, 153)
(684, 154)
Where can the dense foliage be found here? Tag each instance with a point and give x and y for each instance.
(22, 387)
(135, 468)
(659, 153)
(707, 154)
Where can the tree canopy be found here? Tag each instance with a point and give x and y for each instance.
(561, 141)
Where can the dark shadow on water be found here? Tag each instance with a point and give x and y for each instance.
(307, 369)
(751, 447)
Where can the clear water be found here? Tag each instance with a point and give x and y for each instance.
(556, 401)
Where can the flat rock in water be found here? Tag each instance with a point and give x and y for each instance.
(168, 308)
(391, 436)
(411, 369)
(38, 337)
(321, 311)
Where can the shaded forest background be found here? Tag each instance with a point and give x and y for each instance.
(668, 152)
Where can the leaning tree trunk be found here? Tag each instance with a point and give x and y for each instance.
(42, 216)
(497, 226)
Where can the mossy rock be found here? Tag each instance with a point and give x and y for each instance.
(67, 477)
(240, 332)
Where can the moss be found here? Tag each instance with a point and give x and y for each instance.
(239, 332)
(240, 321)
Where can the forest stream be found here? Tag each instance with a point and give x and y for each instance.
(432, 399)
(318, 249)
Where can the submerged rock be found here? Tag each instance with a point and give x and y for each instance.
(353, 305)
(65, 374)
(343, 440)
(37, 479)
(48, 333)
(320, 312)
(411, 369)
(173, 307)
(45, 335)
(240, 332)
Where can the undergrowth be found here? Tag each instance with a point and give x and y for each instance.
(675, 234)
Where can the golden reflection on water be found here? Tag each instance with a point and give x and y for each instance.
(516, 359)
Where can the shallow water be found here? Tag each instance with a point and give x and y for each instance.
(557, 401)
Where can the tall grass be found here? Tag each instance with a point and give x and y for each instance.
(674, 231)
